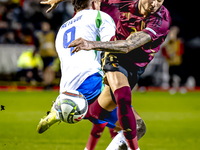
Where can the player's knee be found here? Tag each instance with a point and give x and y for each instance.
(116, 84)
(116, 80)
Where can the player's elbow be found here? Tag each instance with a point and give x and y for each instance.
(122, 50)
(126, 51)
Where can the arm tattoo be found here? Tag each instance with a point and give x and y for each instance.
(134, 41)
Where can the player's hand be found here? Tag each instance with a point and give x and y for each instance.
(81, 44)
(53, 3)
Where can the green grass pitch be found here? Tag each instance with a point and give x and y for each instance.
(173, 123)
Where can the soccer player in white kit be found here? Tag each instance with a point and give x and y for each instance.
(93, 25)
(82, 71)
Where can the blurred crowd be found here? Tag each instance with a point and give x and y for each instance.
(26, 22)
(20, 19)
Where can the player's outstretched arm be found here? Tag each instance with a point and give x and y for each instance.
(134, 41)
(53, 3)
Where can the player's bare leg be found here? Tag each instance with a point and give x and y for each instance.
(122, 92)
(105, 99)
(105, 103)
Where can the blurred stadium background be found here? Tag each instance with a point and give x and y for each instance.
(167, 95)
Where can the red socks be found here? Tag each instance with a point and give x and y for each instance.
(133, 143)
(95, 134)
(125, 115)
(112, 133)
(96, 111)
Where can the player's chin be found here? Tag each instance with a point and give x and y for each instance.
(152, 11)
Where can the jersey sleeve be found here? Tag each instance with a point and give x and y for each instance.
(107, 27)
(157, 26)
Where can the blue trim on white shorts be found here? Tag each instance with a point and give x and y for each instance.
(91, 87)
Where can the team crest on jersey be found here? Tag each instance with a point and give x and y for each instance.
(114, 65)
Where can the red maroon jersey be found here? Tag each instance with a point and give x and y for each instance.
(112, 7)
(129, 21)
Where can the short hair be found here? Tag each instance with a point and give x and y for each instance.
(80, 4)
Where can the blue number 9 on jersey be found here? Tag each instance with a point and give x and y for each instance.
(70, 33)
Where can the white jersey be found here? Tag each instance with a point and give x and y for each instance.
(92, 25)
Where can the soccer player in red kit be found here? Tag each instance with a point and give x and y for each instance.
(141, 29)
(143, 25)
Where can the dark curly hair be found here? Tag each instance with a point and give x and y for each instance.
(80, 4)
